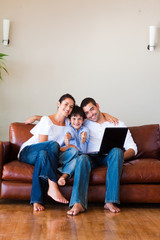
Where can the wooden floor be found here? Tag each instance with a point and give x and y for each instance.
(137, 222)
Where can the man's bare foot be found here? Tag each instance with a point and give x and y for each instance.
(37, 207)
(111, 207)
(55, 193)
(61, 181)
(77, 208)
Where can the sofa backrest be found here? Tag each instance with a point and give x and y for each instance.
(18, 134)
(146, 137)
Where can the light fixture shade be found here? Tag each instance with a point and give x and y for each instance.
(6, 26)
(152, 37)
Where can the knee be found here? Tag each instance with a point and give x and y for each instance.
(117, 153)
(73, 151)
(54, 147)
(42, 156)
(84, 161)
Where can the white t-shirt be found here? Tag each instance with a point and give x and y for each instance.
(96, 135)
(46, 127)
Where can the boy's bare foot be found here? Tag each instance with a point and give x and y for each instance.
(37, 207)
(61, 181)
(76, 209)
(55, 193)
(111, 207)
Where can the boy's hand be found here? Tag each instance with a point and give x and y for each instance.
(83, 137)
(67, 138)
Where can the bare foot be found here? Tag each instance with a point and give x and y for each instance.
(111, 207)
(61, 181)
(77, 208)
(37, 207)
(55, 193)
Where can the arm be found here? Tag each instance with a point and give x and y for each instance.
(129, 154)
(84, 140)
(110, 118)
(43, 138)
(33, 119)
(63, 149)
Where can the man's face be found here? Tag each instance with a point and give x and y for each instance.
(92, 112)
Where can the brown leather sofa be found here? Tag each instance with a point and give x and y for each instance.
(140, 180)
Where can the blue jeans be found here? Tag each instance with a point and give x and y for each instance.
(44, 156)
(114, 163)
(67, 161)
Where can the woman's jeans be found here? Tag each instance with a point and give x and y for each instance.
(114, 163)
(44, 156)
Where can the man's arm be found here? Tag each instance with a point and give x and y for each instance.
(33, 119)
(129, 154)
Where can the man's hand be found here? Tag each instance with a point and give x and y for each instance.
(67, 138)
(83, 137)
(110, 118)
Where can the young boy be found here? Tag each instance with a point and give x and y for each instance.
(75, 134)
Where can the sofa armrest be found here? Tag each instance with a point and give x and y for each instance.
(5, 150)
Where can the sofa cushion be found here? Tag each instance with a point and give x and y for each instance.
(17, 171)
(136, 171)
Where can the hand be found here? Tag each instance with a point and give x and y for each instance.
(67, 138)
(33, 119)
(111, 119)
(83, 137)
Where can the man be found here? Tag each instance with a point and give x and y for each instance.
(96, 122)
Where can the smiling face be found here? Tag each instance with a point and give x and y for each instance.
(76, 121)
(66, 106)
(92, 112)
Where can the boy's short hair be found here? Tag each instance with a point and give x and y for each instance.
(87, 101)
(77, 111)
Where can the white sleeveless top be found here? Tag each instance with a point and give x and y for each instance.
(46, 127)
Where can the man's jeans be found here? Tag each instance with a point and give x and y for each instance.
(45, 157)
(114, 163)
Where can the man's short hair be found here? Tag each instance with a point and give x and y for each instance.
(77, 111)
(87, 101)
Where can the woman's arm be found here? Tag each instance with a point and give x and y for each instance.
(43, 138)
(110, 118)
(33, 119)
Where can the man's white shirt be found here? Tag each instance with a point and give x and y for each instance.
(96, 134)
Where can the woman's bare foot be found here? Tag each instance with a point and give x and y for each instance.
(111, 207)
(38, 207)
(77, 208)
(61, 181)
(55, 193)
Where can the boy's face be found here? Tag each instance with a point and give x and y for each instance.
(76, 121)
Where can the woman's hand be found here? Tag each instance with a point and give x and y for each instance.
(110, 118)
(63, 149)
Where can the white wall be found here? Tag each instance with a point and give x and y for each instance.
(94, 48)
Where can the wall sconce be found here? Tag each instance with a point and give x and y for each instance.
(6, 25)
(152, 37)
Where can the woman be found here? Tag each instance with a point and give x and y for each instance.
(43, 151)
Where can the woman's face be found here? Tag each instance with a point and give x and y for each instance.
(66, 106)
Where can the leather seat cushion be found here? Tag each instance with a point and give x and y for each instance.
(135, 171)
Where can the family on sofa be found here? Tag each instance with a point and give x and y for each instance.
(56, 143)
